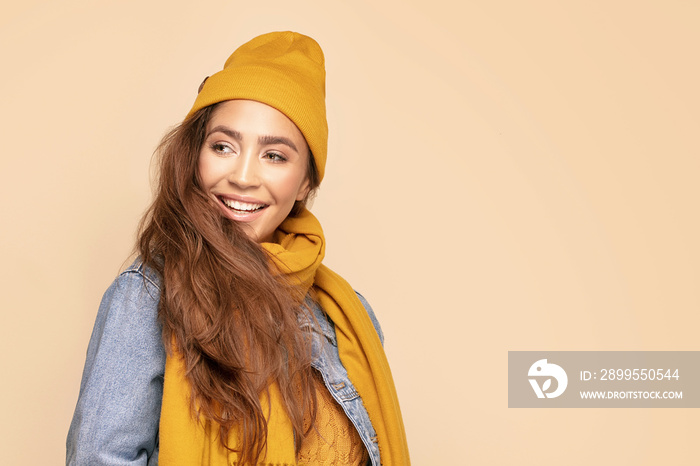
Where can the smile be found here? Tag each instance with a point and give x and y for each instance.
(243, 207)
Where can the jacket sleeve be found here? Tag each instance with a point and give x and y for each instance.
(118, 410)
(372, 317)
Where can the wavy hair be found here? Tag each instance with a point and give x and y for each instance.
(233, 320)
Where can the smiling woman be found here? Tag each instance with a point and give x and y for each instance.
(228, 341)
(256, 177)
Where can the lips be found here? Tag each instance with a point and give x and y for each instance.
(242, 207)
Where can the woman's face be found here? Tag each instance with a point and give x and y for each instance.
(253, 163)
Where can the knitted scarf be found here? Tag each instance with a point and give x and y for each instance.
(298, 250)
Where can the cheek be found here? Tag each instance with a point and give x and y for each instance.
(206, 172)
(287, 187)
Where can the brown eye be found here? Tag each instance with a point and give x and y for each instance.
(275, 157)
(221, 148)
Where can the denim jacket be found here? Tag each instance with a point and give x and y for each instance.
(117, 415)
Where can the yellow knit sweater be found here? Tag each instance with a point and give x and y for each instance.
(333, 440)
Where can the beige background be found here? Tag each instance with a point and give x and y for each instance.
(502, 176)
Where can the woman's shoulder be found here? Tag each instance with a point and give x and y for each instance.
(326, 325)
(139, 269)
(372, 316)
(129, 306)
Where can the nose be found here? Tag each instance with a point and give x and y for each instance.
(244, 171)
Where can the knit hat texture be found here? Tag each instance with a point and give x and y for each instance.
(285, 70)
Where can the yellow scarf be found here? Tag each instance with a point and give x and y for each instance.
(298, 250)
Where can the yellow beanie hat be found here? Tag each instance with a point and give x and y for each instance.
(284, 70)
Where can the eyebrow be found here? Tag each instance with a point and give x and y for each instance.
(270, 140)
(232, 133)
(262, 140)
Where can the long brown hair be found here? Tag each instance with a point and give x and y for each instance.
(233, 320)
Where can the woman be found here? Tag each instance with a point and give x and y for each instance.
(228, 341)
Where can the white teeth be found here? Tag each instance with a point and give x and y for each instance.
(246, 206)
